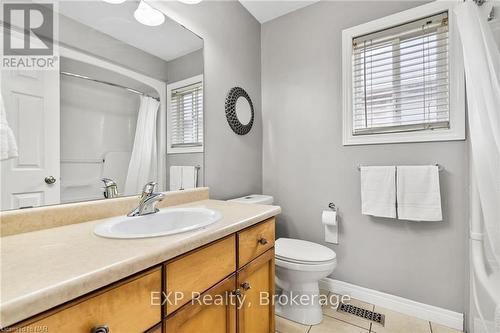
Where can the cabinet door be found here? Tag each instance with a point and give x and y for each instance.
(254, 241)
(199, 270)
(256, 283)
(213, 312)
(116, 308)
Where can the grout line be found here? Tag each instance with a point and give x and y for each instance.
(344, 321)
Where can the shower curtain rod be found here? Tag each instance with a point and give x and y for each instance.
(108, 83)
(491, 15)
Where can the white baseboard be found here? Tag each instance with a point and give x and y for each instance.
(420, 310)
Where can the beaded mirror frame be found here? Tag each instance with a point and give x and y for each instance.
(232, 117)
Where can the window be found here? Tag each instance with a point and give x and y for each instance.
(185, 123)
(400, 79)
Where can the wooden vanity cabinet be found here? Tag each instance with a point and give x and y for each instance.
(198, 270)
(256, 283)
(255, 240)
(227, 277)
(123, 307)
(213, 312)
(253, 279)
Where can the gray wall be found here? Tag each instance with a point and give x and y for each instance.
(89, 40)
(305, 165)
(178, 69)
(233, 163)
(185, 67)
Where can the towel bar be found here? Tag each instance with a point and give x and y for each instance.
(440, 167)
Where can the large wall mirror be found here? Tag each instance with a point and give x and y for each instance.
(123, 107)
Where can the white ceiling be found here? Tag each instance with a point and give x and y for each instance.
(167, 41)
(266, 10)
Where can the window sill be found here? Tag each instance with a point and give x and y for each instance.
(404, 137)
(185, 150)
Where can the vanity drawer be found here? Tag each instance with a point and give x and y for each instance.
(199, 270)
(123, 307)
(254, 241)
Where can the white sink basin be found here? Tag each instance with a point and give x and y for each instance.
(167, 221)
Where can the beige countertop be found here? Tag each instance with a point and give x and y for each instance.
(42, 269)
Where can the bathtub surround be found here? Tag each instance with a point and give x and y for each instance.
(305, 165)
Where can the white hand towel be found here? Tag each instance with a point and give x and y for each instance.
(175, 178)
(8, 145)
(419, 197)
(378, 191)
(188, 177)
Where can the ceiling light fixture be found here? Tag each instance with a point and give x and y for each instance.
(147, 15)
(191, 2)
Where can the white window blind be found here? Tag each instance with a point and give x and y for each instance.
(187, 116)
(400, 78)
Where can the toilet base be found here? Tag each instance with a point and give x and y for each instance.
(307, 313)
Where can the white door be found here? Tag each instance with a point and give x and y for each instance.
(32, 105)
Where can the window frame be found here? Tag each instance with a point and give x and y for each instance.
(177, 85)
(456, 131)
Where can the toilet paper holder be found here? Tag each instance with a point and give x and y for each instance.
(330, 222)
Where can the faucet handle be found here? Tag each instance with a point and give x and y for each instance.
(108, 182)
(149, 188)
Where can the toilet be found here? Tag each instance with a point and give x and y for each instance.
(300, 265)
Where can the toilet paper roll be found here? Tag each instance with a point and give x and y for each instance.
(329, 217)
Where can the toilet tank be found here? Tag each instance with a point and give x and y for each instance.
(260, 199)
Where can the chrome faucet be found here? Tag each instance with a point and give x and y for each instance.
(147, 204)
(110, 188)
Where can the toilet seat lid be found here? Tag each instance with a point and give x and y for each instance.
(297, 250)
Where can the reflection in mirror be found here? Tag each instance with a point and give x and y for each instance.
(122, 106)
(243, 110)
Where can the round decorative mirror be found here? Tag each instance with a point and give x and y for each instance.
(239, 111)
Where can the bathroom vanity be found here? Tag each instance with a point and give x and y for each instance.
(164, 284)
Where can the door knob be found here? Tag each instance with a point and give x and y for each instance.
(100, 329)
(50, 180)
(245, 286)
(262, 241)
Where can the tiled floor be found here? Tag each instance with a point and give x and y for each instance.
(337, 322)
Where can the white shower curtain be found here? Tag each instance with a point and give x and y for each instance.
(482, 69)
(143, 162)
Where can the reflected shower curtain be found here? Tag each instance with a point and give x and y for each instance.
(482, 71)
(143, 162)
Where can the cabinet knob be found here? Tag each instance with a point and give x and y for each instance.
(50, 180)
(100, 329)
(245, 286)
(262, 241)
(237, 293)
